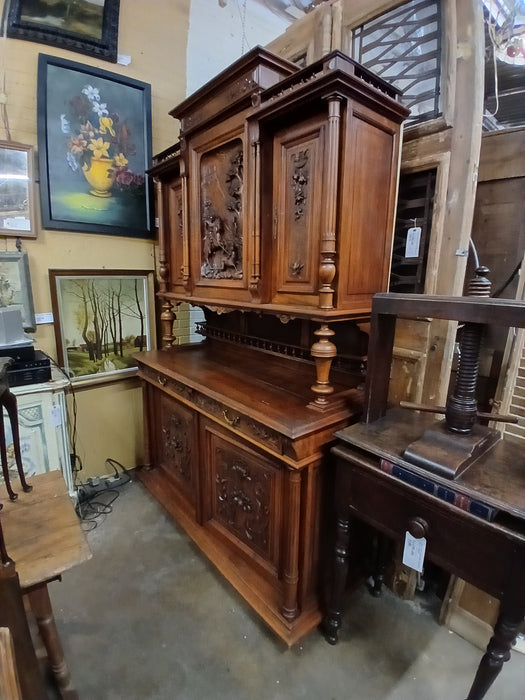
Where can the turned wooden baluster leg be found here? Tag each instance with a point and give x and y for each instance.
(9, 401)
(383, 546)
(498, 651)
(43, 612)
(332, 620)
(323, 351)
(166, 321)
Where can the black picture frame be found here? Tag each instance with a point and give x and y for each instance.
(33, 20)
(89, 117)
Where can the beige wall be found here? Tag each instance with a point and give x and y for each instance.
(154, 34)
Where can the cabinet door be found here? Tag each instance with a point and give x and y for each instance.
(172, 201)
(297, 197)
(175, 448)
(220, 248)
(242, 496)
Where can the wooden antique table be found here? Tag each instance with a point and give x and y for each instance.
(473, 523)
(44, 538)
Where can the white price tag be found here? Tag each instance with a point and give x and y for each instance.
(412, 244)
(17, 223)
(414, 552)
(56, 416)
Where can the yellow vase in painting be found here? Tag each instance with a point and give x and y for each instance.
(100, 175)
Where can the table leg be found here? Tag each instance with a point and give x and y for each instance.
(43, 611)
(332, 620)
(498, 651)
(13, 616)
(383, 547)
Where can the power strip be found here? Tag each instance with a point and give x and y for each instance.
(96, 485)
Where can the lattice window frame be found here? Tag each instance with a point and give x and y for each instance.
(391, 21)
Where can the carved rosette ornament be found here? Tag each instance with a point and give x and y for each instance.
(243, 499)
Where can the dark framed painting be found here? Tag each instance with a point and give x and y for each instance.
(86, 26)
(94, 143)
(102, 318)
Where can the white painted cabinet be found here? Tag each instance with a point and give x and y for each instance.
(44, 440)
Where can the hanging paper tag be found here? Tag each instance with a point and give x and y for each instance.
(412, 244)
(414, 552)
(56, 416)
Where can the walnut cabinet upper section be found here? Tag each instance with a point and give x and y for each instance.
(280, 194)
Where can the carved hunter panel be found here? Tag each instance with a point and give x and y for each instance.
(243, 501)
(297, 198)
(221, 173)
(176, 443)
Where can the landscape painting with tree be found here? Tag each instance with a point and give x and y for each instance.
(101, 321)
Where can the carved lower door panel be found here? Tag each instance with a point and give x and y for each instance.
(242, 491)
(175, 446)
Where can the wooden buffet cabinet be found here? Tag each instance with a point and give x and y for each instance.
(276, 213)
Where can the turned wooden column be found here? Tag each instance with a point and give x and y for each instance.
(167, 316)
(327, 267)
(290, 608)
(186, 279)
(323, 351)
(255, 275)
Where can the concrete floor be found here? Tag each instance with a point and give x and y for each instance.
(148, 618)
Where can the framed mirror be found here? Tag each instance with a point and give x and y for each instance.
(16, 190)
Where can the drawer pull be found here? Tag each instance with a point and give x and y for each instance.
(418, 527)
(162, 380)
(231, 421)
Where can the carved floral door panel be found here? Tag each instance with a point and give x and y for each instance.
(175, 445)
(242, 490)
(297, 199)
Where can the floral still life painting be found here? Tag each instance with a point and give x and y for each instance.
(96, 150)
(101, 320)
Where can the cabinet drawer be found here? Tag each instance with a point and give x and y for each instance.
(253, 429)
(457, 541)
(242, 490)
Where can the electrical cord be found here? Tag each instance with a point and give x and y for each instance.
(90, 508)
(76, 462)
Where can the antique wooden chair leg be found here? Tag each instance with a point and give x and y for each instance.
(9, 401)
(3, 456)
(498, 651)
(332, 620)
(41, 606)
